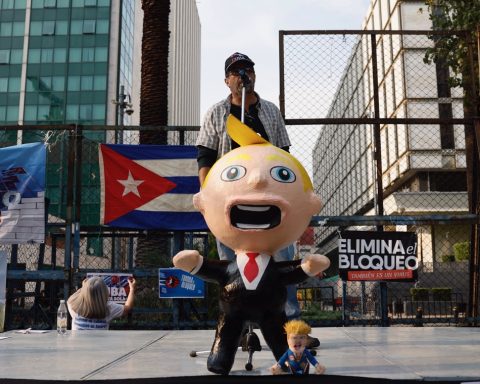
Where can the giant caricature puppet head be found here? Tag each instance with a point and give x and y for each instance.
(257, 197)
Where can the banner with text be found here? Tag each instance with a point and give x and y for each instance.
(377, 256)
(117, 284)
(22, 193)
(173, 283)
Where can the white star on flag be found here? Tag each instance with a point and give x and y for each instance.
(130, 185)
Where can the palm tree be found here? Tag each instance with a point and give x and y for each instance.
(154, 251)
(154, 87)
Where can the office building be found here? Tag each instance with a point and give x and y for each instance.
(423, 166)
(67, 61)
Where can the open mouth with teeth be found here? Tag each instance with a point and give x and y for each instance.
(255, 216)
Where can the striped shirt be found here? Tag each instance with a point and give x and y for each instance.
(213, 134)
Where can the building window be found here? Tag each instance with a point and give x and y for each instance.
(12, 113)
(58, 83)
(73, 83)
(5, 29)
(88, 54)
(34, 55)
(4, 56)
(3, 84)
(100, 83)
(90, 3)
(101, 54)
(30, 113)
(50, 3)
(75, 55)
(85, 112)
(47, 55)
(18, 28)
(72, 112)
(87, 83)
(60, 55)
(98, 112)
(7, 4)
(88, 27)
(102, 26)
(14, 84)
(16, 56)
(48, 28)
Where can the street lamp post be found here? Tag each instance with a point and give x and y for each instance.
(124, 105)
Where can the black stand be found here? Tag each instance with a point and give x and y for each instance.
(251, 344)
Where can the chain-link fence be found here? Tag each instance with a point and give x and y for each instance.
(384, 139)
(41, 274)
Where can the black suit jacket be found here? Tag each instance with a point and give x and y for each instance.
(267, 299)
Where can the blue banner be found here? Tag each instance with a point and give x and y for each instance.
(22, 193)
(173, 283)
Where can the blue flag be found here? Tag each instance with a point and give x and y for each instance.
(22, 193)
(149, 187)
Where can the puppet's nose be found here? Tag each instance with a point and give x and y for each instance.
(257, 178)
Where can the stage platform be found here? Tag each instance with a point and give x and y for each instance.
(351, 355)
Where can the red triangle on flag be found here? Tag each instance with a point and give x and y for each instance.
(128, 185)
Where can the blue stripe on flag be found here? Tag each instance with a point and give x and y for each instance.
(185, 185)
(175, 221)
(147, 152)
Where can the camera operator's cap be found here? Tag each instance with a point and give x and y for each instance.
(236, 57)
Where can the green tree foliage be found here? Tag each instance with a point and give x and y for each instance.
(462, 251)
(462, 16)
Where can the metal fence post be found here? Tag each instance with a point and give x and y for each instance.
(69, 208)
(379, 173)
(78, 197)
(178, 245)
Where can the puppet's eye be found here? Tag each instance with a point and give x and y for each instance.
(283, 174)
(232, 173)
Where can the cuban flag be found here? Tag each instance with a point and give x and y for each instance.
(149, 187)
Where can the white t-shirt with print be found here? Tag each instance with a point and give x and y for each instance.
(81, 323)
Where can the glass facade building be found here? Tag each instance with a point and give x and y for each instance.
(62, 62)
(56, 60)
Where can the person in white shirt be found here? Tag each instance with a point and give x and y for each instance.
(89, 306)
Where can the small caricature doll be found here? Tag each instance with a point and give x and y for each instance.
(297, 357)
(256, 199)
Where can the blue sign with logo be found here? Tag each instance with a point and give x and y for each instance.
(173, 283)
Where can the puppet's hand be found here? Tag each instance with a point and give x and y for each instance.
(187, 260)
(314, 264)
(276, 369)
(319, 369)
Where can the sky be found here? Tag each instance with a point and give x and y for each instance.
(252, 27)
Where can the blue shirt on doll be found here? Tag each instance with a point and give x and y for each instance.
(300, 366)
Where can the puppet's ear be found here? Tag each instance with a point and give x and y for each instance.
(315, 203)
(243, 134)
(198, 202)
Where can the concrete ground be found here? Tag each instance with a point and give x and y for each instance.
(396, 353)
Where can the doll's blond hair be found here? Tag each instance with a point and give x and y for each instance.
(297, 327)
(244, 135)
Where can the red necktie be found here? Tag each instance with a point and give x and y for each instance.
(251, 268)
